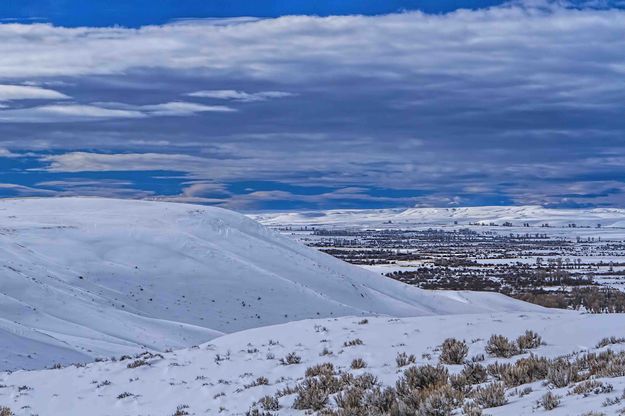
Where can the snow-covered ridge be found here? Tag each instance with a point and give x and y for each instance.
(532, 214)
(88, 277)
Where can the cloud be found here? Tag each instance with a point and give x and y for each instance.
(240, 95)
(307, 47)
(99, 162)
(521, 103)
(63, 113)
(179, 108)
(22, 190)
(27, 92)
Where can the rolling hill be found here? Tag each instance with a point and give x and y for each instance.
(90, 277)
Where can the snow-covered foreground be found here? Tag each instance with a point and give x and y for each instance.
(218, 377)
(86, 277)
(531, 214)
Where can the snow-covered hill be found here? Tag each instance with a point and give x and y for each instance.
(534, 215)
(88, 277)
(225, 376)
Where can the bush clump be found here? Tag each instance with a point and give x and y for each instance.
(269, 403)
(137, 363)
(529, 340)
(562, 372)
(260, 381)
(592, 386)
(523, 371)
(609, 341)
(550, 401)
(353, 342)
(404, 359)
(500, 346)
(492, 395)
(313, 394)
(453, 351)
(474, 373)
(324, 369)
(290, 359)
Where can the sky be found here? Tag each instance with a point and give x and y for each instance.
(293, 105)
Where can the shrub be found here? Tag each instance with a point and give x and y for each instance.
(609, 341)
(326, 369)
(137, 363)
(312, 394)
(453, 351)
(416, 383)
(290, 359)
(358, 363)
(493, 395)
(350, 399)
(603, 364)
(460, 383)
(527, 390)
(325, 351)
(252, 412)
(474, 373)
(550, 401)
(529, 340)
(611, 401)
(561, 373)
(269, 403)
(260, 381)
(181, 410)
(500, 346)
(5, 411)
(353, 342)
(471, 409)
(425, 376)
(380, 402)
(525, 370)
(404, 359)
(592, 386)
(478, 358)
(364, 381)
(439, 402)
(103, 383)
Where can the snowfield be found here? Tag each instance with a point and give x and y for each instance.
(219, 377)
(82, 278)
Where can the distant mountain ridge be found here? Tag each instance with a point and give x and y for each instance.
(533, 214)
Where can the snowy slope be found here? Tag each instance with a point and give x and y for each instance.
(209, 385)
(534, 215)
(89, 277)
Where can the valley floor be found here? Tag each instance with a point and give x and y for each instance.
(230, 374)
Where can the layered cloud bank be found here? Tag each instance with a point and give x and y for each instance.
(520, 103)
